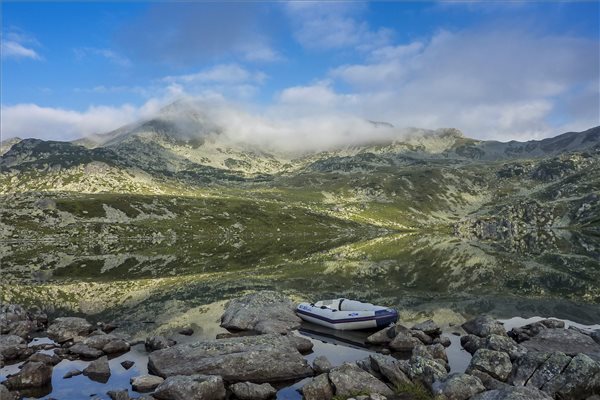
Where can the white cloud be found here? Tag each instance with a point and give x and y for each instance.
(223, 73)
(108, 54)
(11, 49)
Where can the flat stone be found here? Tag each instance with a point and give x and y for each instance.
(192, 387)
(483, 326)
(580, 379)
(69, 328)
(32, 375)
(349, 379)
(512, 393)
(567, 341)
(429, 327)
(548, 370)
(51, 359)
(262, 358)
(85, 351)
(389, 368)
(98, 370)
(71, 373)
(253, 391)
(319, 388)
(116, 347)
(321, 365)
(145, 383)
(264, 312)
(495, 363)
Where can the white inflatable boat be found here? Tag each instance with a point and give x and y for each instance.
(344, 314)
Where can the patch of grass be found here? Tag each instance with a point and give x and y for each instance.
(415, 391)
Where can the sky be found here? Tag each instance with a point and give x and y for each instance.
(512, 70)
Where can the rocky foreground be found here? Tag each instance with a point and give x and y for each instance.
(542, 360)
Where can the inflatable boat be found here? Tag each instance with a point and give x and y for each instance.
(344, 314)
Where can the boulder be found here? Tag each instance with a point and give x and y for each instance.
(85, 351)
(71, 373)
(99, 339)
(69, 328)
(187, 331)
(434, 351)
(523, 333)
(22, 328)
(580, 379)
(349, 379)
(389, 368)
(525, 366)
(488, 382)
(472, 343)
(145, 383)
(404, 342)
(32, 375)
(426, 370)
(483, 326)
(192, 387)
(158, 343)
(13, 347)
(495, 363)
(116, 347)
(429, 327)
(386, 335)
(505, 344)
(512, 393)
(422, 336)
(303, 345)
(568, 341)
(262, 358)
(118, 394)
(253, 391)
(458, 387)
(443, 340)
(319, 388)
(98, 370)
(264, 312)
(549, 369)
(321, 365)
(50, 359)
(5, 394)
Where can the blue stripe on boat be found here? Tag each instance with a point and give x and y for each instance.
(382, 318)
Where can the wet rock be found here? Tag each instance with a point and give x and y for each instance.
(512, 393)
(32, 375)
(404, 342)
(118, 394)
(265, 312)
(85, 351)
(429, 327)
(116, 347)
(145, 383)
(580, 379)
(443, 340)
(98, 370)
(422, 336)
(186, 331)
(319, 388)
(566, 341)
(506, 345)
(386, 335)
(127, 364)
(262, 358)
(426, 370)
(458, 387)
(72, 373)
(321, 365)
(69, 328)
(349, 379)
(51, 359)
(192, 387)
(495, 363)
(389, 368)
(13, 347)
(252, 391)
(303, 345)
(154, 343)
(484, 325)
(472, 343)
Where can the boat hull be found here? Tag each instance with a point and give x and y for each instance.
(347, 320)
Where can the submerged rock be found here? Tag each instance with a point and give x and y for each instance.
(32, 375)
(145, 383)
(69, 328)
(349, 379)
(72, 373)
(264, 312)
(253, 391)
(262, 358)
(319, 388)
(193, 387)
(483, 326)
(127, 364)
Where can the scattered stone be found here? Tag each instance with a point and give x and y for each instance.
(321, 365)
(32, 375)
(429, 327)
(422, 336)
(127, 364)
(118, 394)
(192, 387)
(69, 328)
(145, 383)
(505, 344)
(404, 342)
(264, 312)
(512, 393)
(99, 339)
(98, 370)
(13, 347)
(253, 391)
(495, 363)
(443, 340)
(458, 387)
(386, 335)
(154, 343)
(262, 358)
(116, 347)
(567, 341)
(187, 331)
(389, 368)
(72, 373)
(51, 359)
(303, 345)
(489, 382)
(483, 326)
(319, 388)
(426, 370)
(349, 379)
(85, 351)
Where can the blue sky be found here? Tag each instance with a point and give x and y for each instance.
(496, 70)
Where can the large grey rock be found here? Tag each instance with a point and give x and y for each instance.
(5, 394)
(580, 379)
(265, 312)
(505, 344)
(262, 358)
(549, 369)
(567, 341)
(512, 393)
(386, 335)
(429, 327)
(472, 343)
(404, 342)
(426, 370)
(13, 347)
(483, 326)
(458, 387)
(100, 340)
(422, 336)
(98, 370)
(389, 368)
(50, 359)
(158, 343)
(145, 383)
(434, 351)
(252, 391)
(118, 394)
(488, 381)
(319, 388)
(116, 347)
(525, 366)
(321, 365)
(349, 379)
(523, 333)
(495, 363)
(85, 351)
(22, 328)
(69, 328)
(32, 375)
(193, 387)
(303, 345)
